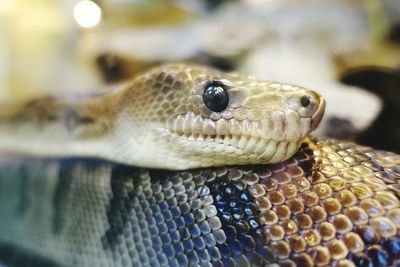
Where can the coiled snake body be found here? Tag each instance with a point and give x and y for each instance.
(260, 194)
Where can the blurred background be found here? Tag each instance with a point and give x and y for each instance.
(347, 50)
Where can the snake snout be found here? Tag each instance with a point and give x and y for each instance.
(319, 113)
(309, 105)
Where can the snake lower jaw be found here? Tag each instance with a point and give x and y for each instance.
(239, 149)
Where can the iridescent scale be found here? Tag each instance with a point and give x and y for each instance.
(332, 204)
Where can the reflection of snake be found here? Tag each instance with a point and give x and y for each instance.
(173, 117)
(330, 204)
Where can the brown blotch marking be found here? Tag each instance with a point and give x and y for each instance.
(371, 166)
(310, 198)
(345, 263)
(363, 171)
(395, 188)
(342, 223)
(294, 171)
(361, 190)
(251, 178)
(96, 114)
(327, 231)
(297, 243)
(282, 178)
(368, 234)
(394, 215)
(346, 198)
(376, 184)
(270, 217)
(303, 260)
(321, 255)
(278, 167)
(351, 176)
(372, 207)
(312, 237)
(385, 162)
(276, 232)
(289, 190)
(340, 165)
(353, 242)
(256, 190)
(328, 171)
(317, 177)
(332, 206)
(295, 205)
(276, 197)
(270, 184)
(301, 184)
(74, 120)
(350, 160)
(304, 221)
(263, 203)
(387, 199)
(264, 173)
(234, 174)
(336, 214)
(318, 214)
(281, 248)
(290, 227)
(357, 215)
(287, 263)
(384, 226)
(38, 111)
(337, 249)
(283, 212)
(337, 183)
(360, 157)
(323, 190)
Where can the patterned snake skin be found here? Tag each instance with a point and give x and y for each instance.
(332, 204)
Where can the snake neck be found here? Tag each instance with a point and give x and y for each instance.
(55, 127)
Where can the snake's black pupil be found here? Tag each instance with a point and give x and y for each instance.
(305, 101)
(215, 96)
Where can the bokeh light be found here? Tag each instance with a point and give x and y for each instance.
(87, 14)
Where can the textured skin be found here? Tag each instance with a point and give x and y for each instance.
(331, 204)
(159, 120)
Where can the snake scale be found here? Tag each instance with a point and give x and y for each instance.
(189, 166)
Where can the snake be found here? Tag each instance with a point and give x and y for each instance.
(190, 166)
(173, 117)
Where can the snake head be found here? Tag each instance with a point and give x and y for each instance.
(196, 116)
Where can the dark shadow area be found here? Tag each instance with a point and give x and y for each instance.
(384, 132)
(12, 256)
(394, 33)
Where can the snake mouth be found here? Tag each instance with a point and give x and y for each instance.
(241, 148)
(266, 140)
(285, 126)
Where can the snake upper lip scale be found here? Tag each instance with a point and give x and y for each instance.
(175, 116)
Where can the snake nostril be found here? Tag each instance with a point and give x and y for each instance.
(305, 101)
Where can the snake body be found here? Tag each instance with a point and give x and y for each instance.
(331, 204)
(260, 194)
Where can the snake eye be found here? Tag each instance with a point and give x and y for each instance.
(305, 101)
(215, 96)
